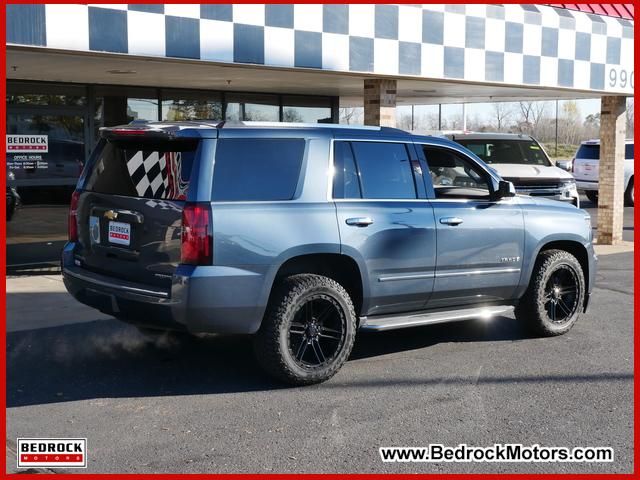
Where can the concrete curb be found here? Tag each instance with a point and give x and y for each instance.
(622, 247)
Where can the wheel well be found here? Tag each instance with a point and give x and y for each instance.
(341, 268)
(574, 248)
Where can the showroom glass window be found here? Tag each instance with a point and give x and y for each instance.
(56, 114)
(121, 105)
(306, 109)
(30, 94)
(252, 107)
(180, 106)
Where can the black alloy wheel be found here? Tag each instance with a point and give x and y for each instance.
(561, 294)
(317, 332)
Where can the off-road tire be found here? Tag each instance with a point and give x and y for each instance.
(271, 343)
(592, 195)
(531, 309)
(628, 194)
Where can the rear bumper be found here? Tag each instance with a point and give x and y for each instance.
(201, 299)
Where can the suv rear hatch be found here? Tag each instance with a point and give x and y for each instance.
(586, 165)
(130, 205)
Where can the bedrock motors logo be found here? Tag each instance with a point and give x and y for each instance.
(52, 452)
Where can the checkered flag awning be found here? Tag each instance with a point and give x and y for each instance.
(513, 44)
(157, 174)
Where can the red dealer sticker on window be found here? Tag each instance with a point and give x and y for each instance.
(27, 143)
(52, 452)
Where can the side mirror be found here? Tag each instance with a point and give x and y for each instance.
(505, 189)
(565, 165)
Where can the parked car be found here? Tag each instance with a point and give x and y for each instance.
(301, 235)
(13, 199)
(586, 170)
(521, 160)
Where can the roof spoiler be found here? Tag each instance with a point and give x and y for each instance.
(154, 130)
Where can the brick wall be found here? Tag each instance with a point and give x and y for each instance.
(380, 102)
(611, 182)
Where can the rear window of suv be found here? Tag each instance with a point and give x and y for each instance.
(592, 151)
(257, 169)
(140, 168)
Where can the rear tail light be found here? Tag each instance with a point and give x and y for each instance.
(73, 216)
(197, 235)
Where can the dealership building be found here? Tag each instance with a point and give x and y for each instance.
(72, 69)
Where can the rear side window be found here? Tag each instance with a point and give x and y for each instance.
(385, 170)
(257, 169)
(628, 151)
(139, 168)
(346, 182)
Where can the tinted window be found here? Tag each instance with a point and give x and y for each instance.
(346, 183)
(257, 169)
(454, 176)
(148, 169)
(524, 152)
(589, 152)
(592, 152)
(385, 170)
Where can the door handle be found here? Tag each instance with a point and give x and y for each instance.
(451, 221)
(359, 221)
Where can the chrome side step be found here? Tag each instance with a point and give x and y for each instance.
(393, 322)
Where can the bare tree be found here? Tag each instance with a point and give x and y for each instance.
(531, 114)
(591, 126)
(404, 121)
(630, 119)
(569, 125)
(291, 115)
(502, 112)
(351, 115)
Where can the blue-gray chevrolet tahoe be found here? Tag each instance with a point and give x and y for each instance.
(301, 235)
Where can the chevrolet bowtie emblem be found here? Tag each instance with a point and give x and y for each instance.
(111, 215)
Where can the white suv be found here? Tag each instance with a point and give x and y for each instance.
(586, 170)
(520, 159)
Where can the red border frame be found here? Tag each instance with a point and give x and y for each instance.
(62, 476)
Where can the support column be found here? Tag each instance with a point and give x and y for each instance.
(611, 182)
(380, 102)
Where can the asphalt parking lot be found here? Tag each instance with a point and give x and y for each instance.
(202, 404)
